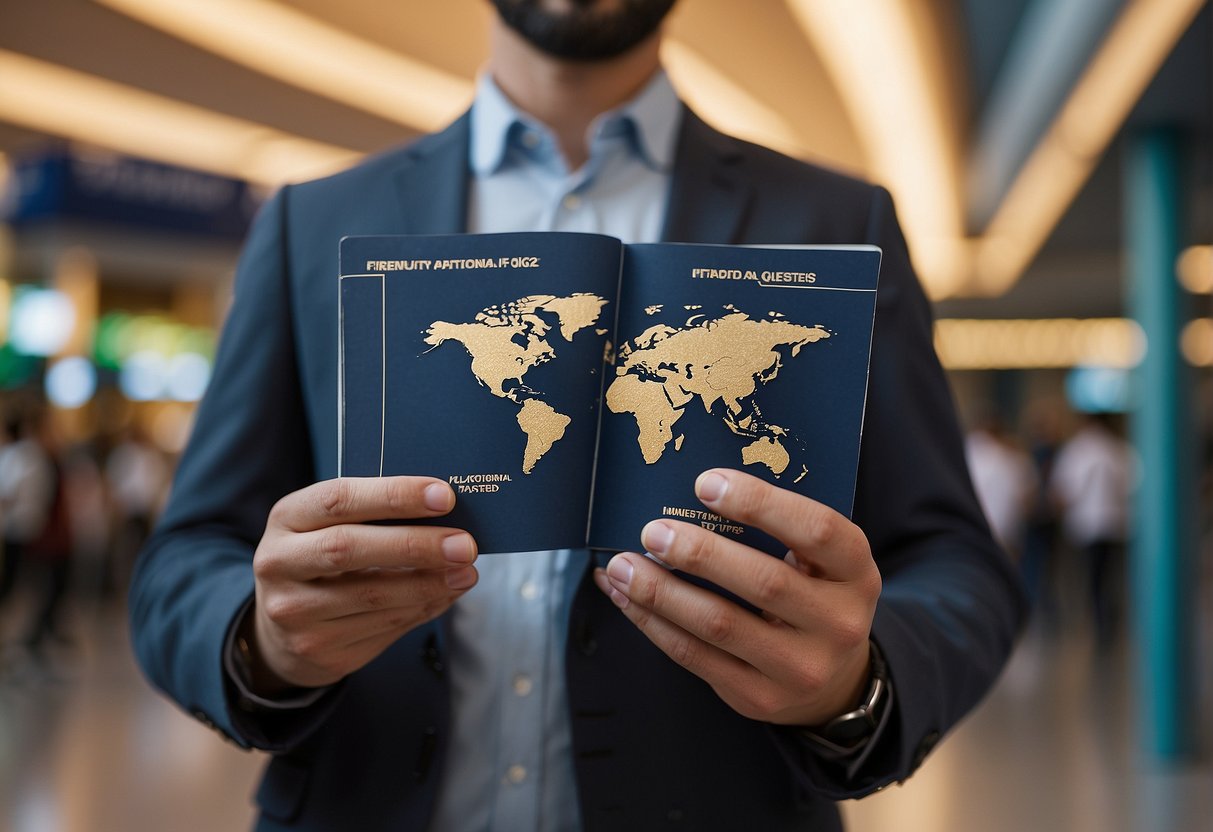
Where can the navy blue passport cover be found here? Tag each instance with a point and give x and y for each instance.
(571, 388)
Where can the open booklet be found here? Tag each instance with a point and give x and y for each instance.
(571, 388)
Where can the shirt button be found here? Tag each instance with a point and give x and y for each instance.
(572, 202)
(515, 774)
(529, 591)
(530, 139)
(523, 684)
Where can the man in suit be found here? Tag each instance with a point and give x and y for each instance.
(400, 681)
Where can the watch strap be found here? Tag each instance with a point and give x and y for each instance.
(845, 736)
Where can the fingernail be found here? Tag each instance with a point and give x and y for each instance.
(438, 497)
(711, 486)
(619, 570)
(461, 578)
(657, 537)
(604, 583)
(458, 548)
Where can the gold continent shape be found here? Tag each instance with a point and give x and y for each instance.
(769, 452)
(576, 312)
(497, 357)
(655, 415)
(543, 426)
(716, 360)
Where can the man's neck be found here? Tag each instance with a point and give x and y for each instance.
(567, 95)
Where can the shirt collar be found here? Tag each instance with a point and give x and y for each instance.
(655, 114)
(651, 118)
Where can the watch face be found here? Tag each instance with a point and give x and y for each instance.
(850, 729)
(855, 727)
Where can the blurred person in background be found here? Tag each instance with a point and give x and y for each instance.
(90, 509)
(137, 477)
(27, 488)
(382, 665)
(1004, 479)
(34, 488)
(1038, 564)
(1091, 482)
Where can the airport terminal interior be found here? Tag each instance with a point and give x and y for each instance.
(1052, 167)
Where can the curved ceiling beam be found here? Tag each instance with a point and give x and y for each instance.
(308, 53)
(1048, 53)
(1140, 40)
(84, 108)
(901, 106)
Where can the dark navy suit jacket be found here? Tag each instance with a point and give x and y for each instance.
(653, 747)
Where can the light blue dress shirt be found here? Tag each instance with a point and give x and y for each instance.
(510, 765)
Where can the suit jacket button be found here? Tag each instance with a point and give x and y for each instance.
(431, 656)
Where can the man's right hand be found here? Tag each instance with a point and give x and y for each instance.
(333, 592)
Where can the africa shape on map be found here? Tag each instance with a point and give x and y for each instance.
(719, 360)
(506, 341)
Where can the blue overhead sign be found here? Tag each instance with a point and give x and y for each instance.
(110, 188)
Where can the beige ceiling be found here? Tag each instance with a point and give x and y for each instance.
(759, 68)
(769, 58)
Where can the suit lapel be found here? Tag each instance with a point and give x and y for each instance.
(432, 184)
(708, 193)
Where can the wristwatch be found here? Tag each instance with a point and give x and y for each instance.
(239, 665)
(845, 736)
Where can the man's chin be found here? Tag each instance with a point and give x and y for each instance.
(584, 30)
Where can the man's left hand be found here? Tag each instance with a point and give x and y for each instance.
(802, 661)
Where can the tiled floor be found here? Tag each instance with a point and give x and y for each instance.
(1051, 750)
(88, 747)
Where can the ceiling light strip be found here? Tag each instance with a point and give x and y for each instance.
(84, 108)
(988, 344)
(1140, 40)
(308, 53)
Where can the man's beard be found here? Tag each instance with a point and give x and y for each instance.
(583, 33)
